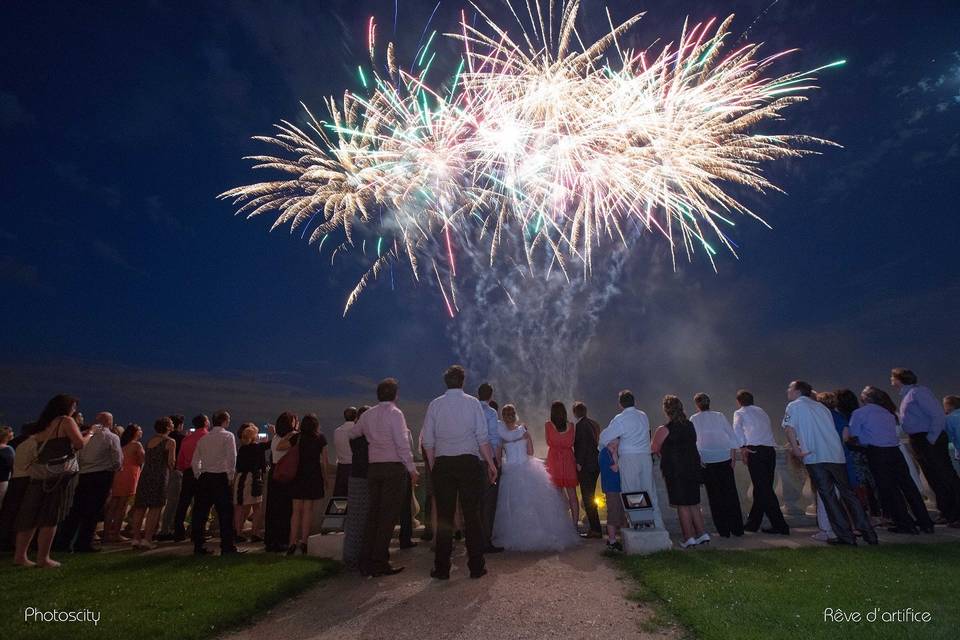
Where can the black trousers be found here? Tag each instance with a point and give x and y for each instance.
(341, 480)
(459, 478)
(762, 463)
(276, 518)
(828, 480)
(77, 529)
(934, 460)
(897, 488)
(488, 508)
(188, 487)
(588, 491)
(724, 500)
(406, 513)
(213, 490)
(386, 486)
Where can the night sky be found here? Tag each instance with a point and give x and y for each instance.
(124, 281)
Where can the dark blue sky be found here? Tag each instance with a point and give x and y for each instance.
(123, 279)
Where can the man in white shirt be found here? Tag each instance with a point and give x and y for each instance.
(455, 438)
(635, 462)
(214, 464)
(98, 460)
(814, 440)
(751, 424)
(341, 445)
(717, 445)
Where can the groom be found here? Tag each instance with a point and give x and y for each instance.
(632, 428)
(455, 438)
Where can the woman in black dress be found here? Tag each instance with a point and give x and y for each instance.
(248, 482)
(279, 507)
(310, 483)
(676, 442)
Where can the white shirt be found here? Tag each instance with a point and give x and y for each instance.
(752, 426)
(454, 425)
(632, 427)
(715, 436)
(276, 455)
(216, 452)
(816, 432)
(341, 443)
(101, 453)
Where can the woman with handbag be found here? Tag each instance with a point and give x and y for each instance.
(309, 484)
(53, 477)
(279, 506)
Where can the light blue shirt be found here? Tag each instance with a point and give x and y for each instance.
(953, 431)
(873, 425)
(493, 424)
(920, 412)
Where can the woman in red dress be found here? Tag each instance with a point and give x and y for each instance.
(560, 461)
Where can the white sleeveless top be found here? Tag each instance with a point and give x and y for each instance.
(514, 444)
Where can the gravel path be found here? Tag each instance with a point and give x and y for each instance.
(577, 594)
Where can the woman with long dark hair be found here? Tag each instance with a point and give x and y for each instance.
(309, 487)
(124, 483)
(858, 468)
(49, 495)
(561, 463)
(676, 442)
(874, 426)
(279, 505)
(531, 510)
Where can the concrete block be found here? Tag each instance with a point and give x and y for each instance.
(643, 542)
(325, 546)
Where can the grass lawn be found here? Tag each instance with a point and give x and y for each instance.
(153, 597)
(782, 593)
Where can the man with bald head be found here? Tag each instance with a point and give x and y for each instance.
(99, 459)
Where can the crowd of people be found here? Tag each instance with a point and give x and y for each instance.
(61, 477)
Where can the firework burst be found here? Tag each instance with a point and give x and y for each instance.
(545, 141)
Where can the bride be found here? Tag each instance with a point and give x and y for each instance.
(531, 513)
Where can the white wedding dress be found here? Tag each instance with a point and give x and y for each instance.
(532, 514)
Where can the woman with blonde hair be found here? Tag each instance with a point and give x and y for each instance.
(532, 512)
(248, 482)
(159, 460)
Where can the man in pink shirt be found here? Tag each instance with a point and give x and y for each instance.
(391, 460)
(201, 425)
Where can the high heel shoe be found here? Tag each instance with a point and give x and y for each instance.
(303, 548)
(292, 549)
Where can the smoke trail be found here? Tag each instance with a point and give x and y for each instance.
(527, 333)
